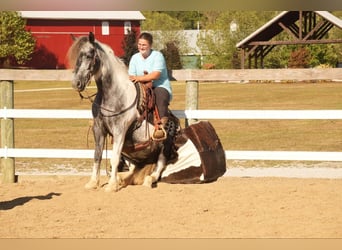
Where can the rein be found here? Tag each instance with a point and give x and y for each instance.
(120, 112)
(89, 97)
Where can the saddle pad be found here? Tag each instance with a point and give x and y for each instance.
(201, 159)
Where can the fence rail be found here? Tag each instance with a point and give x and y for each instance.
(185, 114)
(237, 75)
(192, 77)
(189, 114)
(230, 154)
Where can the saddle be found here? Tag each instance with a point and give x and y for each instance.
(148, 110)
(146, 105)
(146, 101)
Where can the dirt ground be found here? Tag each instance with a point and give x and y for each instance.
(232, 207)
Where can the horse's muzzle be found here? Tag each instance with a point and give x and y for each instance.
(80, 83)
(79, 86)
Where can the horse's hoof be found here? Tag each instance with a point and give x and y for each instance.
(112, 188)
(120, 180)
(92, 184)
(148, 181)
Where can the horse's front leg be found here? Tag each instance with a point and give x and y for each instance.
(94, 181)
(114, 181)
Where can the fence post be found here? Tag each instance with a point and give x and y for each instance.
(191, 99)
(7, 131)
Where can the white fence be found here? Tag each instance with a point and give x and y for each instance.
(192, 77)
(188, 114)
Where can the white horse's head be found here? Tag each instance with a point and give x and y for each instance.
(84, 57)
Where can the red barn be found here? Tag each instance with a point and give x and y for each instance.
(53, 29)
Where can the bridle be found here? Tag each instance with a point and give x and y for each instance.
(93, 68)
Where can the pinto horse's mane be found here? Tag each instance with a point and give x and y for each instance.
(76, 47)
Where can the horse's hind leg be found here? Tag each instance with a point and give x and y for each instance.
(126, 178)
(154, 177)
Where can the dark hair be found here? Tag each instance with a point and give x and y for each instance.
(146, 36)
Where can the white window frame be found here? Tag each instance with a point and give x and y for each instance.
(127, 27)
(105, 28)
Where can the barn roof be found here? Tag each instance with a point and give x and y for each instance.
(272, 27)
(85, 15)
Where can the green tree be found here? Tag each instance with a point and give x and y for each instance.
(160, 21)
(278, 57)
(218, 42)
(337, 33)
(16, 44)
(190, 19)
(172, 57)
(164, 29)
(323, 54)
(129, 46)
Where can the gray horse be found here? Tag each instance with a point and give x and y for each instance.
(193, 155)
(114, 108)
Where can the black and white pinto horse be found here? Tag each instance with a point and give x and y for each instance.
(115, 112)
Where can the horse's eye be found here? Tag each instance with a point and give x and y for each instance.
(90, 54)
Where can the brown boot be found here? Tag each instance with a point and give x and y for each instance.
(160, 133)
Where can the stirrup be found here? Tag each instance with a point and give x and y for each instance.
(162, 138)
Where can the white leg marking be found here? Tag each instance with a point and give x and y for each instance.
(149, 180)
(113, 184)
(125, 177)
(94, 181)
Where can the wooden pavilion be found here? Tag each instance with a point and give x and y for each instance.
(303, 27)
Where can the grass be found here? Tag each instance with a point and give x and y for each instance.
(310, 135)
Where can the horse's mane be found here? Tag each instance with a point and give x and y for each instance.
(109, 52)
(75, 48)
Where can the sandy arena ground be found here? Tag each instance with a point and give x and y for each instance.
(232, 207)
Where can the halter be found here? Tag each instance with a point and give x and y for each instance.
(90, 98)
(94, 66)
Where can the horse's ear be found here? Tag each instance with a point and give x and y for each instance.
(91, 37)
(73, 37)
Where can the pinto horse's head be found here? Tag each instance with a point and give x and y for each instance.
(85, 60)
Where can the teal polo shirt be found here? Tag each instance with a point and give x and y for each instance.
(154, 62)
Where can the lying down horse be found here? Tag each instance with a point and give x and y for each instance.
(191, 155)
